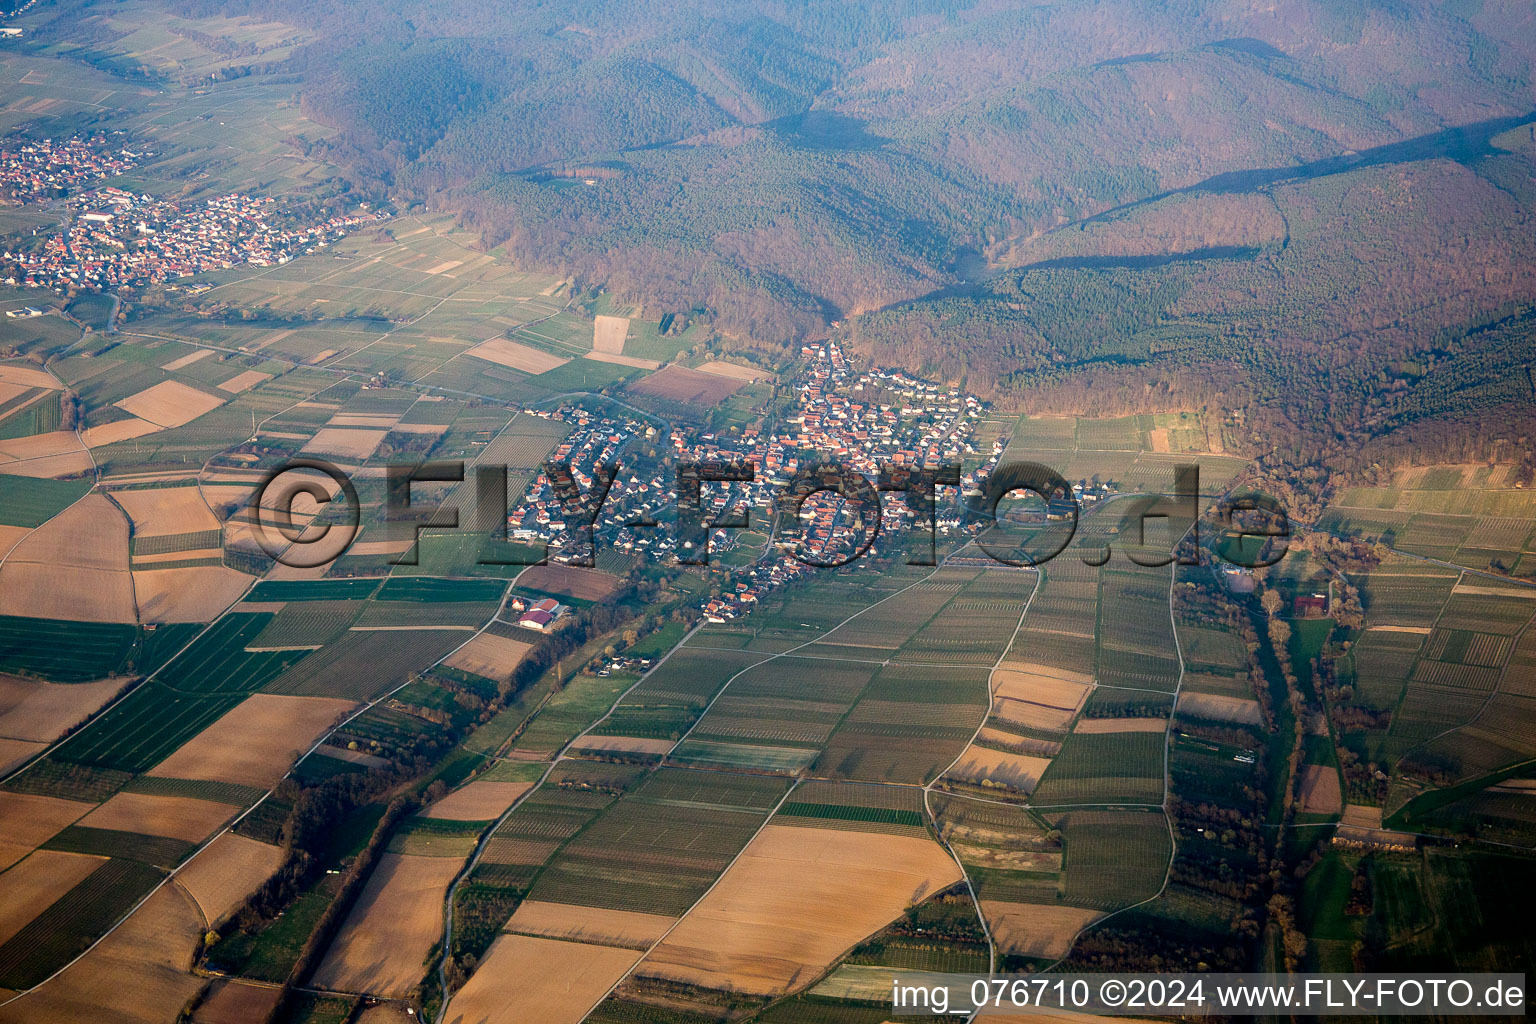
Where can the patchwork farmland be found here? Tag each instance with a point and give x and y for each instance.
(235, 786)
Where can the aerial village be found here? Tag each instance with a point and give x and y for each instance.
(114, 237)
(49, 168)
(902, 421)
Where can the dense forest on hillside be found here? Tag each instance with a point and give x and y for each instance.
(834, 159)
(1309, 212)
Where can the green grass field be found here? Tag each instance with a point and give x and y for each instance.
(425, 590)
(1105, 768)
(144, 728)
(217, 661)
(659, 847)
(31, 501)
(64, 651)
(312, 590)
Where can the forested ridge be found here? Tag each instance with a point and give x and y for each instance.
(1310, 218)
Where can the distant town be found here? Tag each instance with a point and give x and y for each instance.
(50, 169)
(115, 238)
(891, 419)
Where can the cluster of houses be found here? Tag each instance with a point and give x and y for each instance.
(49, 168)
(117, 238)
(903, 422)
(860, 419)
(623, 663)
(593, 440)
(751, 586)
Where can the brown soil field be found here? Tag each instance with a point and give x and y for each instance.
(242, 382)
(379, 547)
(178, 817)
(1523, 594)
(256, 742)
(586, 584)
(1318, 790)
(627, 928)
(391, 929)
(631, 744)
(1101, 726)
(608, 333)
(31, 887)
(617, 360)
(170, 403)
(1032, 716)
(526, 358)
(733, 370)
(36, 590)
(31, 709)
(72, 567)
(151, 561)
(227, 871)
(680, 384)
(137, 975)
(322, 548)
(10, 536)
(1362, 816)
(37, 446)
(190, 594)
(1017, 771)
(117, 430)
(223, 495)
(26, 822)
(188, 359)
(1040, 687)
(478, 801)
(15, 752)
(1014, 662)
(794, 901)
(349, 442)
(90, 534)
(27, 377)
(1219, 708)
(51, 466)
(159, 511)
(1030, 929)
(235, 1002)
(488, 655)
(523, 978)
(382, 421)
